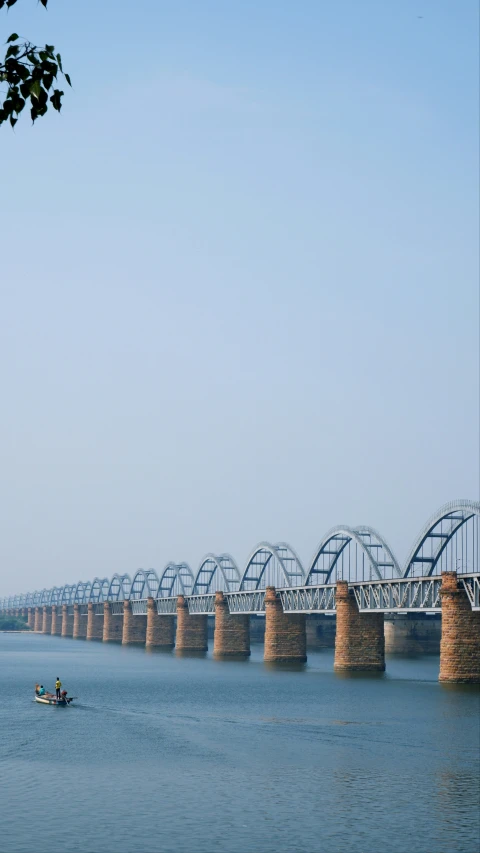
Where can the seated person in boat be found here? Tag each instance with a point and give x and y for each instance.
(41, 690)
(37, 688)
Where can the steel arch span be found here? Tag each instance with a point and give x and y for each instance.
(68, 592)
(145, 584)
(222, 570)
(119, 588)
(99, 590)
(55, 595)
(272, 565)
(176, 579)
(82, 591)
(334, 555)
(430, 550)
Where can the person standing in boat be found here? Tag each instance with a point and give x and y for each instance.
(58, 687)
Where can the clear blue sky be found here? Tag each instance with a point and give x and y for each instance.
(239, 281)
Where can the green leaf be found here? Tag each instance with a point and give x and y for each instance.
(35, 88)
(23, 72)
(13, 121)
(13, 37)
(12, 50)
(59, 60)
(67, 78)
(56, 100)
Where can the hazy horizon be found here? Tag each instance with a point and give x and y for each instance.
(239, 282)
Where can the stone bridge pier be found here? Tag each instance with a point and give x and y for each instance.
(160, 628)
(192, 630)
(232, 631)
(460, 642)
(56, 624)
(359, 639)
(30, 618)
(79, 622)
(285, 633)
(67, 622)
(112, 625)
(134, 626)
(47, 620)
(38, 621)
(94, 622)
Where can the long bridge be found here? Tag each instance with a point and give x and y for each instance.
(353, 575)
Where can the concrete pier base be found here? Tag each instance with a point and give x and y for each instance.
(94, 623)
(56, 625)
(191, 630)
(134, 627)
(112, 625)
(460, 642)
(30, 618)
(232, 631)
(79, 623)
(160, 629)
(412, 634)
(359, 640)
(285, 633)
(67, 622)
(47, 620)
(38, 621)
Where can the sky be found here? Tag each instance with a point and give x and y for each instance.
(239, 281)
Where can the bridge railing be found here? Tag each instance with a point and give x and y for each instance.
(167, 606)
(308, 599)
(471, 585)
(201, 603)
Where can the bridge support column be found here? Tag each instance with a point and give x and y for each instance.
(47, 620)
(56, 625)
(192, 631)
(285, 633)
(360, 640)
(460, 642)
(79, 623)
(38, 623)
(160, 629)
(94, 623)
(67, 622)
(134, 627)
(232, 631)
(112, 625)
(30, 618)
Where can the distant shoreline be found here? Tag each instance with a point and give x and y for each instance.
(12, 631)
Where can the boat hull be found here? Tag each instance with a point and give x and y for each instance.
(46, 700)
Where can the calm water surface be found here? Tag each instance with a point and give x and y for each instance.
(164, 754)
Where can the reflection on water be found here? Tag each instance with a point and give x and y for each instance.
(360, 675)
(171, 754)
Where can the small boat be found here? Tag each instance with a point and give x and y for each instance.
(51, 700)
(47, 698)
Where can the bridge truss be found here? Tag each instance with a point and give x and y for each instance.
(359, 555)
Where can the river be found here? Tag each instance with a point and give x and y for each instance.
(168, 754)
